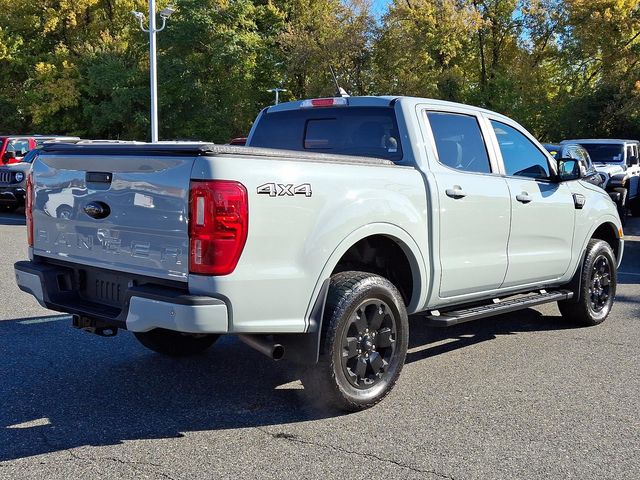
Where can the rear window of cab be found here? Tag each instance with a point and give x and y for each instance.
(359, 131)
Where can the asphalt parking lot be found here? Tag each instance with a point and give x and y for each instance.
(522, 395)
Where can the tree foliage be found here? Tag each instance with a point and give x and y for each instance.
(561, 67)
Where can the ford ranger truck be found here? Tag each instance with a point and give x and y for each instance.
(314, 242)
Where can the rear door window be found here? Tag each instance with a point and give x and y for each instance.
(520, 156)
(459, 142)
(360, 131)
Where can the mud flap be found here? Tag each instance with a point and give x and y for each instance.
(304, 348)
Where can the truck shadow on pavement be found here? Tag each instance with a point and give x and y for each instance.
(61, 388)
(430, 342)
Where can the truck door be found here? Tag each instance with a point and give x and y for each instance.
(633, 170)
(473, 206)
(542, 212)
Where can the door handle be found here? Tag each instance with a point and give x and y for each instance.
(455, 192)
(524, 197)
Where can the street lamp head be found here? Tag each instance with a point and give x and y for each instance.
(139, 15)
(167, 12)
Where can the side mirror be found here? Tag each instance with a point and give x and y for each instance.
(568, 169)
(8, 155)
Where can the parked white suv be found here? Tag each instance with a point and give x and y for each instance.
(619, 163)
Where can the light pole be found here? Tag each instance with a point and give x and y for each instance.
(153, 68)
(277, 91)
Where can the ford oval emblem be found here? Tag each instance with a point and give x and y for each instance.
(97, 210)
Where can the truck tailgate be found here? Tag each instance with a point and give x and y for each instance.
(146, 197)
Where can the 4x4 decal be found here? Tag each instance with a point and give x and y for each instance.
(284, 189)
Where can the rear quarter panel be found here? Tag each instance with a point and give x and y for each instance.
(294, 241)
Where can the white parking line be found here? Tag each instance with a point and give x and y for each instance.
(44, 320)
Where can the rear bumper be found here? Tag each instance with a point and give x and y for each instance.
(143, 308)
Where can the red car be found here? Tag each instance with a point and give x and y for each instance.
(13, 148)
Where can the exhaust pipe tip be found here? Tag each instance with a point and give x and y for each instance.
(277, 352)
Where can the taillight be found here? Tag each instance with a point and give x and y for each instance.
(325, 102)
(218, 225)
(28, 208)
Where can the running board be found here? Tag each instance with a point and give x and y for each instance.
(454, 317)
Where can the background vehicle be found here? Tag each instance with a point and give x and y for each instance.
(13, 177)
(618, 161)
(12, 185)
(41, 139)
(439, 209)
(13, 180)
(13, 148)
(574, 150)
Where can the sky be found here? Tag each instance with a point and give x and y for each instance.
(379, 7)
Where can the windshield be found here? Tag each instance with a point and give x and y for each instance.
(361, 131)
(605, 152)
(30, 156)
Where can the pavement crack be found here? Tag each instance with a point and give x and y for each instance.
(296, 439)
(132, 463)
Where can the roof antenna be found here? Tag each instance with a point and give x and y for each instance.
(340, 92)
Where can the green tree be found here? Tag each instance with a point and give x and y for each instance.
(426, 48)
(216, 64)
(323, 33)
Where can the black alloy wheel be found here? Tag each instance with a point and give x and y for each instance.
(364, 342)
(593, 299)
(369, 343)
(600, 287)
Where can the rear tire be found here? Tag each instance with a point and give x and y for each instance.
(175, 344)
(597, 287)
(623, 204)
(365, 334)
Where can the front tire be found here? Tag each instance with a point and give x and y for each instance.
(175, 344)
(597, 287)
(364, 342)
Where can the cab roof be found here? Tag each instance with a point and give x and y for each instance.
(385, 101)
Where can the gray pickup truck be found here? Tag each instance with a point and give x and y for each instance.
(314, 242)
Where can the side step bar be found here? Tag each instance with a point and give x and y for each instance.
(454, 317)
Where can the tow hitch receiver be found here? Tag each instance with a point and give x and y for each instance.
(92, 325)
